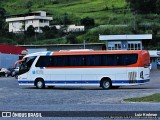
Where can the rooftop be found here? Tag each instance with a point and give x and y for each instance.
(125, 37)
(35, 13)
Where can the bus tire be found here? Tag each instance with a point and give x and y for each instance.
(16, 76)
(39, 83)
(106, 83)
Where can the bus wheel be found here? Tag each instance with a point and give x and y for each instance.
(106, 84)
(16, 76)
(40, 84)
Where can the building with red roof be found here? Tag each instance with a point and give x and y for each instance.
(8, 49)
(10, 54)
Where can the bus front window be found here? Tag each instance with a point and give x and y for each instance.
(26, 64)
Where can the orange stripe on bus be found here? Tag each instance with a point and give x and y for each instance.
(95, 52)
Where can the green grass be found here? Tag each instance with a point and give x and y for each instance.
(151, 98)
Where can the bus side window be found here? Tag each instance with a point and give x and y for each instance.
(124, 59)
(108, 60)
(131, 59)
(43, 61)
(93, 60)
(76, 60)
(114, 60)
(59, 61)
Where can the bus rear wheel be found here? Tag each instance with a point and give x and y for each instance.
(106, 84)
(40, 84)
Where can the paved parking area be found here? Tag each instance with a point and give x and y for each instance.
(11, 93)
(15, 97)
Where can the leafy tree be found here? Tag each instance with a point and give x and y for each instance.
(29, 5)
(66, 20)
(49, 32)
(158, 6)
(46, 29)
(155, 29)
(61, 31)
(71, 38)
(87, 22)
(30, 31)
(2, 21)
(143, 6)
(2, 13)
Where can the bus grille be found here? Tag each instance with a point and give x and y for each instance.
(132, 77)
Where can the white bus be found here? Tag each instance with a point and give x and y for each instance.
(105, 69)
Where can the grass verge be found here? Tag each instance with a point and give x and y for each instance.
(151, 98)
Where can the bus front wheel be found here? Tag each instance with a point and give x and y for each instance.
(106, 84)
(40, 84)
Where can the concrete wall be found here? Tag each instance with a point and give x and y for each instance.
(57, 47)
(36, 50)
(8, 60)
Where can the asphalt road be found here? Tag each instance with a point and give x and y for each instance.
(23, 98)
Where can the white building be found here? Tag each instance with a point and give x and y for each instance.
(154, 58)
(20, 22)
(71, 28)
(125, 42)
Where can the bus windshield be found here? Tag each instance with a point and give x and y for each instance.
(26, 64)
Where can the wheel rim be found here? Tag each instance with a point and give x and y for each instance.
(16, 76)
(106, 84)
(39, 84)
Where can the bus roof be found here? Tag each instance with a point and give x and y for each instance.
(84, 52)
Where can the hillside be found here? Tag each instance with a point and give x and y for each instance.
(110, 16)
(103, 11)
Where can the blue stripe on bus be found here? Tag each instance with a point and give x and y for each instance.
(87, 82)
(25, 82)
(72, 82)
(48, 54)
(130, 81)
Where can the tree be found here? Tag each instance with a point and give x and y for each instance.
(46, 29)
(158, 6)
(30, 31)
(155, 29)
(71, 38)
(143, 6)
(87, 22)
(2, 13)
(49, 32)
(66, 20)
(2, 21)
(29, 5)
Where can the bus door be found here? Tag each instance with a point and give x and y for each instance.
(119, 64)
(74, 71)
